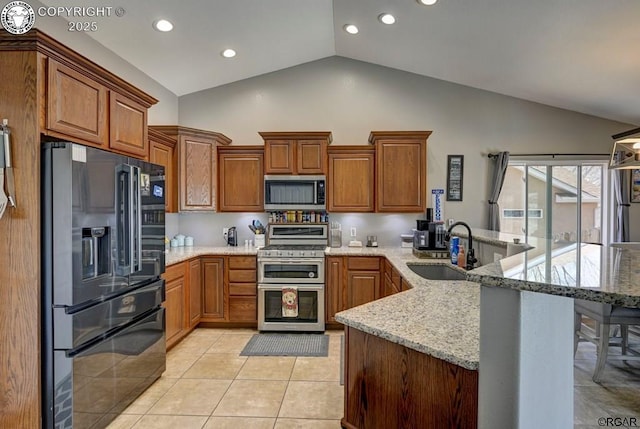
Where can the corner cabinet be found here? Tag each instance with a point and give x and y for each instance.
(162, 152)
(197, 159)
(351, 179)
(401, 170)
(241, 179)
(296, 152)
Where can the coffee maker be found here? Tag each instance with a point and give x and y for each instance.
(232, 237)
(429, 235)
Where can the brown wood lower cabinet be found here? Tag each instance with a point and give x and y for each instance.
(174, 304)
(334, 286)
(195, 292)
(242, 280)
(390, 386)
(212, 289)
(363, 280)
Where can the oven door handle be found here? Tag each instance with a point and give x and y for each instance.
(278, 287)
(298, 261)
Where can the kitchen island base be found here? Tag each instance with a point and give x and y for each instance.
(526, 360)
(388, 385)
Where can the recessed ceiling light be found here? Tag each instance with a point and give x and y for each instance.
(427, 2)
(351, 29)
(163, 25)
(386, 18)
(228, 53)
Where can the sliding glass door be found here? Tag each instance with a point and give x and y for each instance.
(559, 200)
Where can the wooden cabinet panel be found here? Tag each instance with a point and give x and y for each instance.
(213, 288)
(279, 157)
(76, 105)
(195, 292)
(243, 309)
(128, 126)
(388, 385)
(311, 157)
(243, 289)
(362, 287)
(401, 171)
(162, 152)
(242, 276)
(197, 175)
(351, 180)
(241, 179)
(242, 262)
(296, 152)
(363, 263)
(175, 310)
(334, 288)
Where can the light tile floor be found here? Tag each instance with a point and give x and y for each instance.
(617, 396)
(208, 385)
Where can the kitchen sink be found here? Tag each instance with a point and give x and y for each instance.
(437, 272)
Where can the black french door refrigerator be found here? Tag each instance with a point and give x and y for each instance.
(103, 326)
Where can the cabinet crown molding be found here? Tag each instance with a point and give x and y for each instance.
(383, 135)
(37, 40)
(297, 135)
(178, 130)
(159, 136)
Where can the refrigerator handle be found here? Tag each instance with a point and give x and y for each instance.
(135, 222)
(123, 209)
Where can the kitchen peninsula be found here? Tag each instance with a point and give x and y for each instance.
(523, 339)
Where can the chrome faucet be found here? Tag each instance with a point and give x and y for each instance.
(470, 254)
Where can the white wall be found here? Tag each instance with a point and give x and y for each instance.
(164, 112)
(352, 98)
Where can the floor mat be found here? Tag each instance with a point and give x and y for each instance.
(287, 345)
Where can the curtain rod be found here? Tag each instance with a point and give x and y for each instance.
(552, 155)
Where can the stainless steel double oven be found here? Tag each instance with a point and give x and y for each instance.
(293, 263)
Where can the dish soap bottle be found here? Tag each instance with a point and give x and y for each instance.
(461, 257)
(454, 250)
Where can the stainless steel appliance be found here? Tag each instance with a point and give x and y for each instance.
(103, 326)
(286, 192)
(292, 263)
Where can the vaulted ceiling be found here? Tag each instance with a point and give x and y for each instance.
(581, 55)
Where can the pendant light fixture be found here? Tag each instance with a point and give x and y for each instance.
(626, 150)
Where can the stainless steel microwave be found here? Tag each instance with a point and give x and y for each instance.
(283, 192)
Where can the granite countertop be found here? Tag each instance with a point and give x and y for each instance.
(585, 271)
(439, 318)
(180, 254)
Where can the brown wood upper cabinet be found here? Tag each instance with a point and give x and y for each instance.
(77, 105)
(162, 152)
(127, 126)
(85, 105)
(401, 170)
(351, 179)
(296, 152)
(241, 179)
(197, 159)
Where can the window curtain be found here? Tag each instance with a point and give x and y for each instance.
(622, 185)
(499, 171)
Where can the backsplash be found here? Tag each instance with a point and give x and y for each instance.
(206, 228)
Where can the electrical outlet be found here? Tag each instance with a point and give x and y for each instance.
(225, 232)
(353, 231)
(450, 222)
